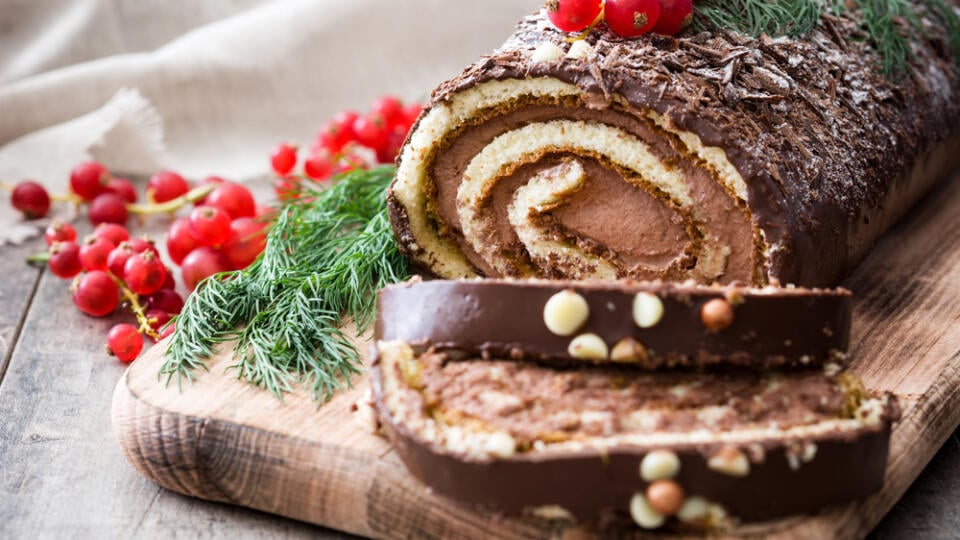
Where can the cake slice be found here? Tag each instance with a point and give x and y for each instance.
(609, 445)
(642, 324)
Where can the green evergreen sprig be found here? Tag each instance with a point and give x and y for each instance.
(888, 24)
(327, 254)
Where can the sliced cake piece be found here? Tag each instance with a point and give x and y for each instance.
(644, 324)
(604, 443)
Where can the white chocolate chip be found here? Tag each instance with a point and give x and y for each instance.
(588, 347)
(647, 310)
(730, 461)
(565, 312)
(694, 509)
(501, 444)
(580, 49)
(547, 51)
(643, 514)
(830, 369)
(659, 465)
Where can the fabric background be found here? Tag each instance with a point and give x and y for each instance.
(227, 79)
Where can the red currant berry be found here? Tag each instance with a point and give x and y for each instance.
(337, 133)
(59, 231)
(632, 18)
(124, 188)
(89, 179)
(65, 259)
(180, 240)
(168, 330)
(166, 300)
(108, 208)
(95, 251)
(118, 257)
(113, 232)
(165, 186)
(202, 263)
(371, 131)
(144, 243)
(388, 154)
(144, 273)
(30, 198)
(157, 319)
(283, 159)
(169, 283)
(234, 199)
(675, 15)
(287, 189)
(573, 15)
(246, 242)
(411, 113)
(319, 166)
(390, 109)
(95, 293)
(210, 225)
(124, 342)
(208, 180)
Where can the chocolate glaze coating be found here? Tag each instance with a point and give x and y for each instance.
(594, 484)
(771, 326)
(832, 151)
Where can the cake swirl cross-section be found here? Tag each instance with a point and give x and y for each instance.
(713, 157)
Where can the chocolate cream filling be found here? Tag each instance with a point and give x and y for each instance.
(516, 437)
(636, 228)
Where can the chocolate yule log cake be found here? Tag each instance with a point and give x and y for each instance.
(713, 156)
(647, 325)
(605, 444)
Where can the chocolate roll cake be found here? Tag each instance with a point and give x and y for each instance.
(711, 156)
(609, 444)
(641, 324)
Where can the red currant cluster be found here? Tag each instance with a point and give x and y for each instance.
(340, 144)
(627, 18)
(109, 265)
(222, 232)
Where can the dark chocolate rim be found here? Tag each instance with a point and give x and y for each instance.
(771, 326)
(593, 484)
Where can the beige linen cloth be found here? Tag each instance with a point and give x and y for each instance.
(210, 86)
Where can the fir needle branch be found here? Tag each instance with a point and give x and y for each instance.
(327, 254)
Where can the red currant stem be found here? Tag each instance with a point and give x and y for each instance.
(172, 205)
(586, 31)
(134, 300)
(39, 258)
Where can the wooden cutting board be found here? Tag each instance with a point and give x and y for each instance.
(223, 440)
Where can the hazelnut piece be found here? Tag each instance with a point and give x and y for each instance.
(716, 314)
(730, 461)
(647, 310)
(565, 312)
(628, 351)
(588, 347)
(665, 497)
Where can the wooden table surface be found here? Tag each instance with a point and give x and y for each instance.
(62, 474)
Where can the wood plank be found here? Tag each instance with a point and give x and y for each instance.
(223, 440)
(16, 293)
